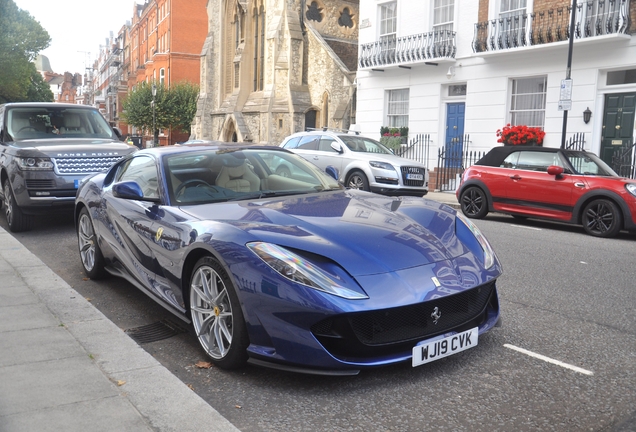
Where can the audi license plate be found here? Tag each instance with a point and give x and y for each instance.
(415, 177)
(441, 346)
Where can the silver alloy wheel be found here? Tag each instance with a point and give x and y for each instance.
(356, 182)
(211, 312)
(8, 203)
(86, 238)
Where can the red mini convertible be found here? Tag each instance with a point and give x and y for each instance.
(548, 183)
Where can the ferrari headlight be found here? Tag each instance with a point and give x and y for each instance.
(34, 163)
(631, 188)
(382, 165)
(489, 254)
(299, 270)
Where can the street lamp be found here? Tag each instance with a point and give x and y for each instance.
(154, 117)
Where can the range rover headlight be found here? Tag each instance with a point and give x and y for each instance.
(488, 253)
(299, 270)
(35, 163)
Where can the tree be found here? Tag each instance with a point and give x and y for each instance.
(175, 107)
(21, 39)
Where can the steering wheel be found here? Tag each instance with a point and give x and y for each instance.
(28, 127)
(187, 183)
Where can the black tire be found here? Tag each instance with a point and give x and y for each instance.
(217, 317)
(90, 254)
(283, 171)
(16, 219)
(474, 203)
(602, 218)
(357, 180)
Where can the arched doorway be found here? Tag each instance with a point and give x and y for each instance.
(310, 119)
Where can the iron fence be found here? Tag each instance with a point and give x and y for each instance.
(418, 149)
(576, 142)
(624, 161)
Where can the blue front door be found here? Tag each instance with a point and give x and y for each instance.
(454, 134)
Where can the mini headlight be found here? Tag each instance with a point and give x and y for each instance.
(31, 163)
(299, 270)
(489, 254)
(382, 165)
(631, 188)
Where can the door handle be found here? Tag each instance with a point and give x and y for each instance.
(515, 177)
(579, 185)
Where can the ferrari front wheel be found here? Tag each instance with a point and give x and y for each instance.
(217, 317)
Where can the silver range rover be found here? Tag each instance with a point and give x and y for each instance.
(46, 149)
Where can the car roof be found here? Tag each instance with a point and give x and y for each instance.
(497, 154)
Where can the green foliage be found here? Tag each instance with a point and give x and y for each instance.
(21, 39)
(175, 107)
(384, 130)
(392, 142)
(39, 90)
(404, 131)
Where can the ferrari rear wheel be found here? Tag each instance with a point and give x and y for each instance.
(602, 218)
(216, 315)
(90, 253)
(474, 203)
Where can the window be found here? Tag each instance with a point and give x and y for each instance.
(443, 15)
(162, 76)
(627, 76)
(537, 161)
(527, 106)
(325, 144)
(143, 171)
(397, 108)
(513, 24)
(388, 30)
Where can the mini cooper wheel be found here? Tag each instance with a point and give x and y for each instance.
(90, 253)
(16, 219)
(357, 180)
(602, 218)
(216, 315)
(473, 203)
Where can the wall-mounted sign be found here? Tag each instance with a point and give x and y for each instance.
(365, 23)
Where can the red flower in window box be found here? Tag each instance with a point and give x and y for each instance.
(520, 135)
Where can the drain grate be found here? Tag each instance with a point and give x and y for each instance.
(163, 329)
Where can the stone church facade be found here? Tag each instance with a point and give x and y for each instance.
(270, 68)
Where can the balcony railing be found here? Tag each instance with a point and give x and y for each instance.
(421, 47)
(593, 18)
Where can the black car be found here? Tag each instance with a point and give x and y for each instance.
(46, 149)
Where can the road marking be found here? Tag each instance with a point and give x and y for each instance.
(549, 360)
(526, 227)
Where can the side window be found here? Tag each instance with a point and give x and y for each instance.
(143, 171)
(510, 161)
(325, 144)
(292, 143)
(537, 161)
(309, 142)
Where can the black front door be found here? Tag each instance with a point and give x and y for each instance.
(618, 124)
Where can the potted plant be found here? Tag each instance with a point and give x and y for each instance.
(391, 137)
(404, 134)
(520, 135)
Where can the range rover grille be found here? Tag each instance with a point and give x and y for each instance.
(84, 165)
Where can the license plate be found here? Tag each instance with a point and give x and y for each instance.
(441, 347)
(415, 177)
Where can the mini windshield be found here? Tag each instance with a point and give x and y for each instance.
(26, 123)
(227, 174)
(589, 164)
(364, 145)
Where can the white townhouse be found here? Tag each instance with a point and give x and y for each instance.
(457, 68)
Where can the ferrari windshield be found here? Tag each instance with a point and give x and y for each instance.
(39, 122)
(217, 175)
(589, 164)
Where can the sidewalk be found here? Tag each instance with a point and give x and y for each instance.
(65, 367)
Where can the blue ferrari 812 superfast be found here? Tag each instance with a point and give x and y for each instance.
(288, 271)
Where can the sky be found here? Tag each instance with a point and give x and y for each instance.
(77, 28)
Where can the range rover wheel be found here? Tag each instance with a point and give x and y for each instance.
(16, 219)
(357, 180)
(217, 317)
(474, 203)
(602, 218)
(90, 253)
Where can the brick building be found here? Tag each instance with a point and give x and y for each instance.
(274, 67)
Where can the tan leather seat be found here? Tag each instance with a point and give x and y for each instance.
(239, 178)
(72, 124)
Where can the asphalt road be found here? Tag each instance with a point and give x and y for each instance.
(564, 295)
